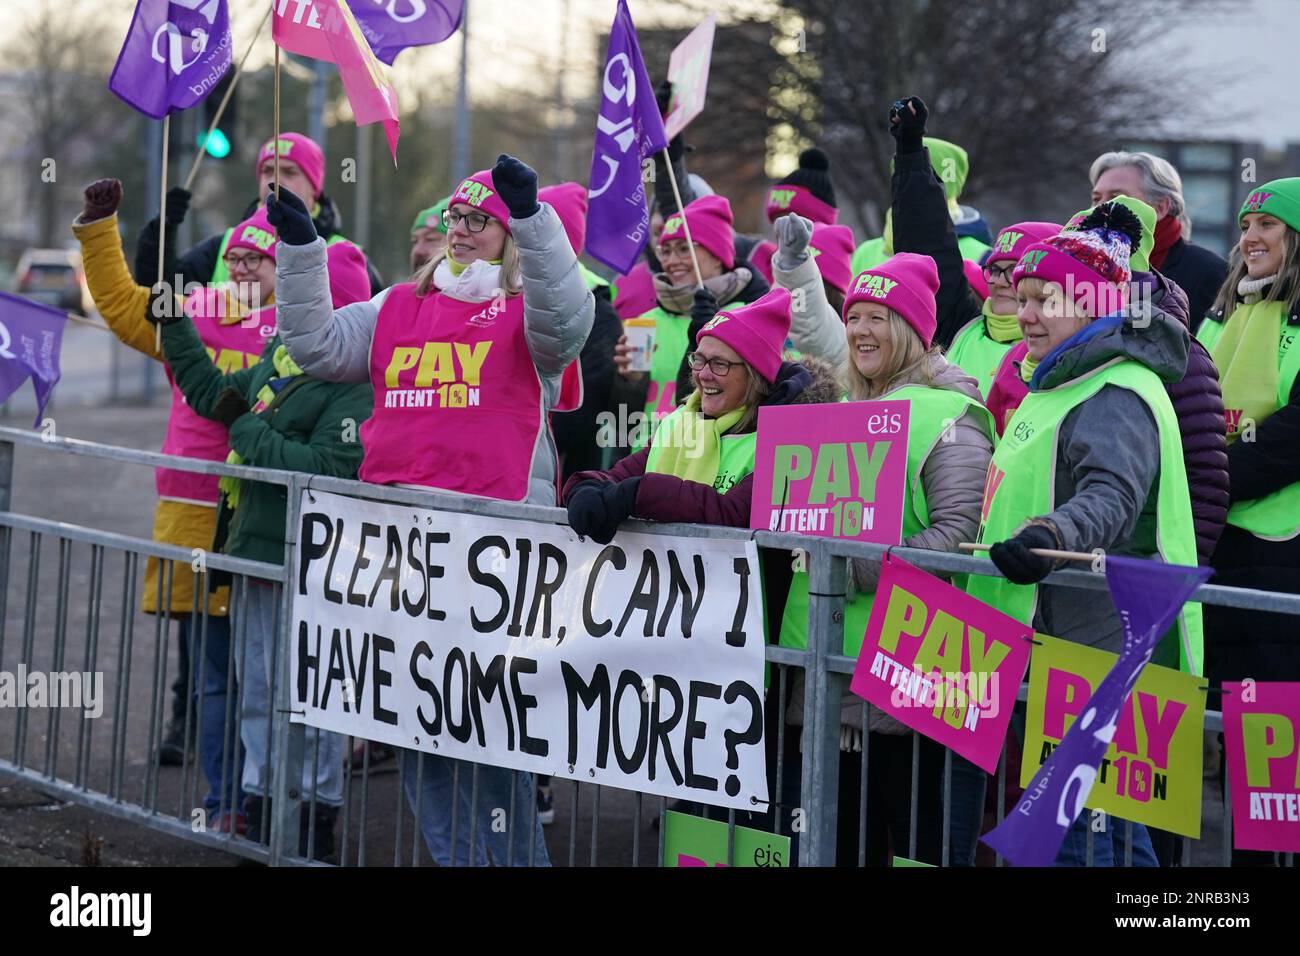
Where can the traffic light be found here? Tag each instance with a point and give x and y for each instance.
(219, 144)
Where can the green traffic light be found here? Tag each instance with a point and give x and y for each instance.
(217, 145)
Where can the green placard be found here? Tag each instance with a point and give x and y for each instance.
(695, 841)
(904, 861)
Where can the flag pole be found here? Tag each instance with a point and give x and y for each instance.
(686, 226)
(162, 223)
(1041, 552)
(221, 107)
(277, 121)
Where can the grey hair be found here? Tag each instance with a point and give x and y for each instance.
(1159, 181)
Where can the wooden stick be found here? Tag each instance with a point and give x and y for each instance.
(686, 226)
(276, 110)
(221, 107)
(1041, 552)
(162, 221)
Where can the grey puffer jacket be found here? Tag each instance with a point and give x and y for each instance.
(815, 328)
(1106, 465)
(335, 344)
(953, 479)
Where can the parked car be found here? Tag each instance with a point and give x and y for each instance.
(53, 277)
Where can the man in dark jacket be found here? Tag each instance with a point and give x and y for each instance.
(301, 169)
(1197, 270)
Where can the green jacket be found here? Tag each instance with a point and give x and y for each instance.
(312, 426)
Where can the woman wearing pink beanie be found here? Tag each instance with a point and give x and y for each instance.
(699, 465)
(806, 192)
(890, 320)
(1091, 460)
(812, 261)
(683, 309)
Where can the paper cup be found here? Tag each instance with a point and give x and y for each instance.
(641, 342)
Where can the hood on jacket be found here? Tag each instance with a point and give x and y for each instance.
(819, 383)
(1161, 345)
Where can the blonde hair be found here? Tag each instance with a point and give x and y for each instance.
(907, 356)
(511, 272)
(1288, 277)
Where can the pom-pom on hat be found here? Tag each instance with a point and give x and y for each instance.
(1091, 262)
(756, 331)
(807, 190)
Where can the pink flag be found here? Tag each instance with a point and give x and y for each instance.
(327, 30)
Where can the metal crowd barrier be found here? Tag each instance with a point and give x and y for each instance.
(118, 770)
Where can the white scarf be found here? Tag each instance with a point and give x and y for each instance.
(480, 281)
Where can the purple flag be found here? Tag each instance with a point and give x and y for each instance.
(628, 129)
(390, 26)
(1148, 596)
(30, 337)
(174, 54)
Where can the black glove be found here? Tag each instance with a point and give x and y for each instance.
(596, 509)
(907, 126)
(230, 405)
(178, 204)
(703, 309)
(791, 379)
(516, 183)
(1018, 563)
(163, 309)
(291, 218)
(664, 96)
(146, 249)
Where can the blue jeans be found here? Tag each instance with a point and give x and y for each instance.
(259, 613)
(217, 750)
(427, 779)
(1108, 848)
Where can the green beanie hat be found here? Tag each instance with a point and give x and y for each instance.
(951, 165)
(1279, 198)
(431, 218)
(1138, 261)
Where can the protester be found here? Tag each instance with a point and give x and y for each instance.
(277, 417)
(951, 165)
(891, 355)
(806, 191)
(301, 170)
(1195, 397)
(186, 511)
(982, 343)
(699, 465)
(1251, 332)
(683, 308)
(1198, 271)
(1076, 469)
(500, 239)
(813, 263)
(428, 234)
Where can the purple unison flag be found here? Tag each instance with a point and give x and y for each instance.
(1148, 596)
(30, 337)
(390, 26)
(174, 54)
(628, 129)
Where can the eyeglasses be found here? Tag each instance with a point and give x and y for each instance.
(474, 221)
(992, 272)
(719, 367)
(236, 263)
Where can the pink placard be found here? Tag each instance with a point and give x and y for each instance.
(1261, 731)
(942, 662)
(688, 70)
(834, 471)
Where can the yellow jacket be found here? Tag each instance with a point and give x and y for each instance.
(123, 304)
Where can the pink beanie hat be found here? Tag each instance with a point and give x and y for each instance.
(480, 192)
(349, 278)
(710, 220)
(255, 233)
(906, 283)
(1012, 241)
(832, 249)
(1092, 261)
(786, 198)
(975, 278)
(756, 331)
(569, 200)
(299, 149)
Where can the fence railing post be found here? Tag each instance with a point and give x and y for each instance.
(286, 769)
(827, 576)
(6, 501)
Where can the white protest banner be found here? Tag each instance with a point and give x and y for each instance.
(638, 664)
(688, 71)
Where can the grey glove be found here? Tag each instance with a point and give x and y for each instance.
(792, 235)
